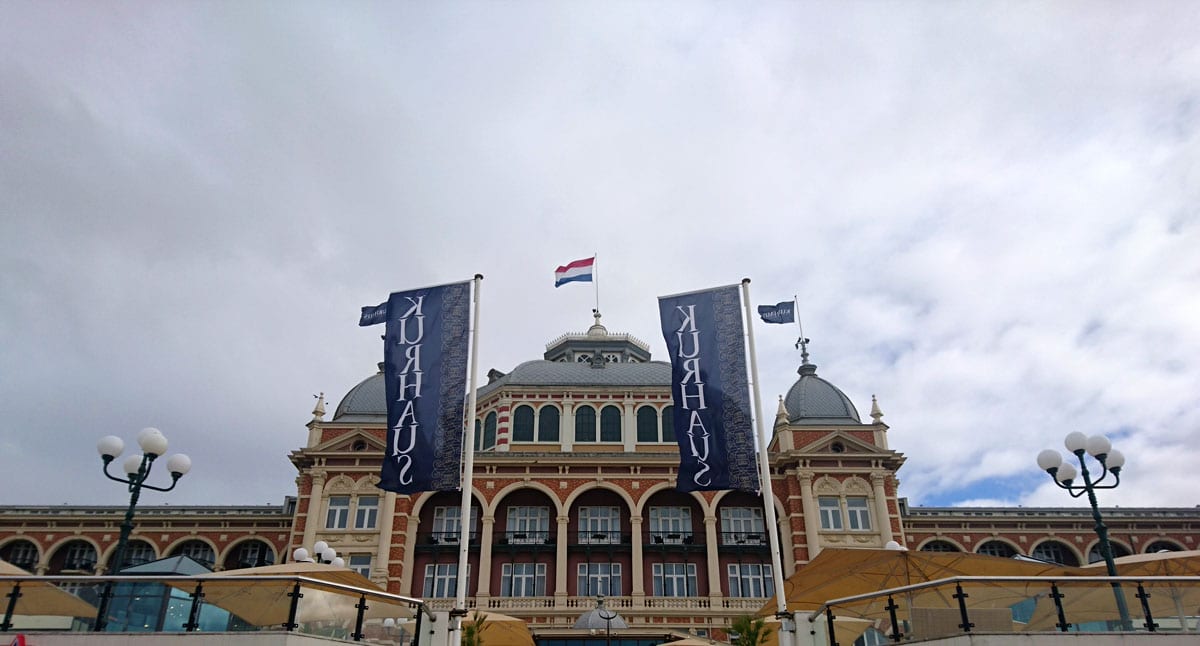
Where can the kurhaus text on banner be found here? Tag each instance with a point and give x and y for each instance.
(710, 390)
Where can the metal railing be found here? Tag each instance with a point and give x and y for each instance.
(973, 604)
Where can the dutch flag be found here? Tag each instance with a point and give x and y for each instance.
(579, 270)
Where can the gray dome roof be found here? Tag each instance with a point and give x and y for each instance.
(595, 619)
(364, 402)
(561, 373)
(812, 400)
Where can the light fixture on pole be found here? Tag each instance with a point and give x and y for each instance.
(1063, 474)
(321, 553)
(137, 469)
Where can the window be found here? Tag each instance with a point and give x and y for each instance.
(478, 435)
(22, 554)
(198, 551)
(1118, 550)
(446, 525)
(367, 512)
(939, 546)
(254, 554)
(599, 525)
(599, 579)
(489, 432)
(441, 580)
(831, 513)
(674, 579)
(647, 424)
(527, 524)
(858, 513)
(360, 563)
(1054, 552)
(137, 553)
(548, 424)
(751, 580)
(668, 424)
(523, 580)
(80, 556)
(522, 424)
(996, 548)
(742, 525)
(670, 524)
(338, 512)
(1162, 546)
(585, 424)
(610, 424)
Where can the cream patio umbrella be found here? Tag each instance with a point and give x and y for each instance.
(268, 602)
(39, 597)
(501, 630)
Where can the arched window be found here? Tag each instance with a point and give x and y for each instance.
(996, 548)
(478, 435)
(489, 431)
(21, 553)
(585, 424)
(610, 424)
(1054, 552)
(523, 424)
(647, 424)
(668, 424)
(196, 550)
(1162, 546)
(75, 556)
(137, 552)
(548, 424)
(939, 546)
(1118, 550)
(254, 553)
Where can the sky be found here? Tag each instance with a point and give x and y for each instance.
(988, 213)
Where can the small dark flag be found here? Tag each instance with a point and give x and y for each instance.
(373, 314)
(784, 312)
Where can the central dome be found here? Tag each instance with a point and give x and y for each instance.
(812, 400)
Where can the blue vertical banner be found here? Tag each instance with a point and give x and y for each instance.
(425, 379)
(710, 390)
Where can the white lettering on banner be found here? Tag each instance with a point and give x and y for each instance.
(698, 436)
(405, 438)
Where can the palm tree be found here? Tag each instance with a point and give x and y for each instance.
(751, 631)
(472, 634)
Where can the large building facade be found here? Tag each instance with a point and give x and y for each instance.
(574, 498)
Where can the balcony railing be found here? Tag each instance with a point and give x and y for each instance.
(613, 537)
(445, 538)
(743, 539)
(672, 538)
(526, 538)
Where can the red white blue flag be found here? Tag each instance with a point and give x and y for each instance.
(577, 271)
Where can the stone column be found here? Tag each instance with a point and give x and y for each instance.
(812, 514)
(560, 558)
(639, 586)
(629, 434)
(484, 586)
(881, 507)
(711, 545)
(313, 516)
(567, 428)
(383, 551)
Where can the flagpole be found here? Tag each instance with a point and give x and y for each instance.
(454, 632)
(596, 279)
(764, 469)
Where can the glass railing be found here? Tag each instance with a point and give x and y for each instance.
(219, 602)
(1000, 605)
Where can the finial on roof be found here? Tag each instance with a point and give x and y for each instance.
(876, 414)
(806, 368)
(597, 329)
(781, 413)
(319, 409)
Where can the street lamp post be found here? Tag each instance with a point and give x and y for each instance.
(1063, 474)
(321, 553)
(137, 469)
(607, 617)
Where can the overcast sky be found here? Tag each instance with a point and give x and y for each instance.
(990, 214)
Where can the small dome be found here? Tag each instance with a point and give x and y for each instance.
(366, 400)
(812, 400)
(600, 619)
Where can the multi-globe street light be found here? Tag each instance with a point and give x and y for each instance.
(321, 553)
(137, 468)
(1063, 474)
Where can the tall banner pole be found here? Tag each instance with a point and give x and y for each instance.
(454, 631)
(596, 279)
(764, 470)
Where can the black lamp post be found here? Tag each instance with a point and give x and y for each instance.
(137, 469)
(1063, 474)
(607, 617)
